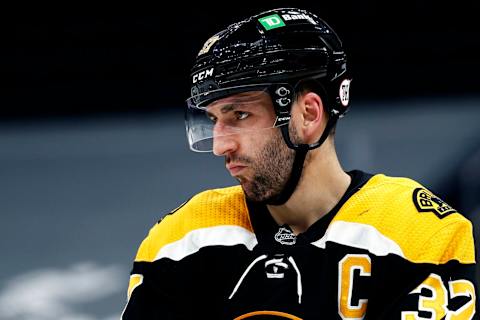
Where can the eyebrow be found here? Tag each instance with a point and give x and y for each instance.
(228, 107)
(224, 109)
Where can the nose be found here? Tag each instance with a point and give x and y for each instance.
(223, 143)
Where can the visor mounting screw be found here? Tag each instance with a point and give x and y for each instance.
(282, 91)
(283, 102)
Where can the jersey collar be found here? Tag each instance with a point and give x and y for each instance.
(269, 232)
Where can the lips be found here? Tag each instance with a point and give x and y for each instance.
(235, 168)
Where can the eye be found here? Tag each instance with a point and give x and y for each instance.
(242, 115)
(212, 118)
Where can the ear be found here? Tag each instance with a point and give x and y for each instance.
(312, 115)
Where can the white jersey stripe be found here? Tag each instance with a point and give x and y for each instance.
(226, 235)
(358, 235)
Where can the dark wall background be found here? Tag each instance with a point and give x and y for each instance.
(84, 60)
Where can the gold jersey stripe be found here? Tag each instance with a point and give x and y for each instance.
(135, 281)
(217, 207)
(386, 203)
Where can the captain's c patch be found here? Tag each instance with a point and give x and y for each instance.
(425, 201)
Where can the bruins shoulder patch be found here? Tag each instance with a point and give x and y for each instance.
(425, 201)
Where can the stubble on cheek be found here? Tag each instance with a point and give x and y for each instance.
(270, 170)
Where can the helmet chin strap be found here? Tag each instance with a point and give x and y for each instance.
(299, 161)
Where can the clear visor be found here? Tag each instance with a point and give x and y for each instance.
(223, 113)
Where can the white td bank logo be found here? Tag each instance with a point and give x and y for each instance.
(301, 16)
(271, 22)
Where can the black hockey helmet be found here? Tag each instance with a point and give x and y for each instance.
(273, 51)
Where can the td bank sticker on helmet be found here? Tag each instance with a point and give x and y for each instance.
(271, 22)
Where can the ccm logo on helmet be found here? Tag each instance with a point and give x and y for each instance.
(202, 75)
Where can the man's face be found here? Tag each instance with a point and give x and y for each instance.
(254, 150)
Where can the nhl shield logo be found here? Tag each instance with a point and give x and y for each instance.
(285, 236)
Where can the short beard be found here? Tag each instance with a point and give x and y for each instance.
(272, 168)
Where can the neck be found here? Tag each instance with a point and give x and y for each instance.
(322, 185)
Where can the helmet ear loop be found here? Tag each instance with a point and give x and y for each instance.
(303, 146)
(284, 115)
(299, 160)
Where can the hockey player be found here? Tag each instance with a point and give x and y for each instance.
(299, 238)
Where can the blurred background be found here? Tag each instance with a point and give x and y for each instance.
(93, 149)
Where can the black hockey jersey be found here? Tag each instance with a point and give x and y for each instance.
(390, 249)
